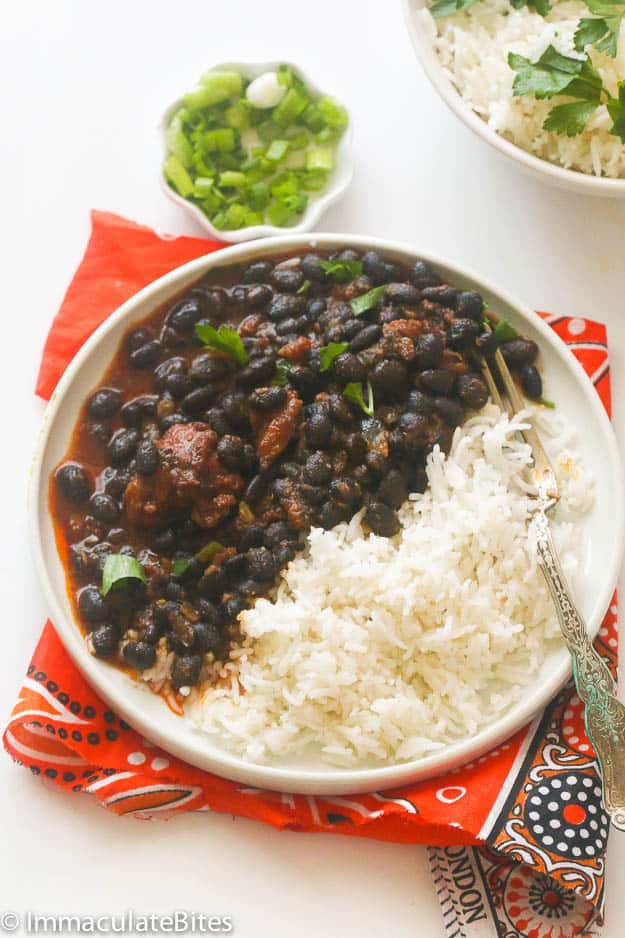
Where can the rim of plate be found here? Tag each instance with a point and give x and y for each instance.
(338, 183)
(227, 764)
(570, 179)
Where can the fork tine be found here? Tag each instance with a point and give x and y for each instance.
(542, 465)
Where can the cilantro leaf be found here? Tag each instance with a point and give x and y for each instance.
(329, 352)
(119, 567)
(353, 393)
(341, 271)
(504, 331)
(206, 553)
(282, 374)
(546, 403)
(360, 304)
(441, 8)
(616, 110)
(551, 74)
(570, 119)
(224, 340)
(543, 7)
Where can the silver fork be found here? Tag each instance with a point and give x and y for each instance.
(604, 713)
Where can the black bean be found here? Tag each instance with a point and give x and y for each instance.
(351, 329)
(233, 606)
(185, 314)
(348, 367)
(252, 535)
(318, 469)
(122, 447)
(389, 376)
(207, 368)
(256, 488)
(74, 483)
(234, 405)
(331, 514)
(146, 355)
(104, 641)
(318, 429)
(429, 349)
(277, 532)
(304, 380)
(139, 655)
(105, 402)
(345, 491)
(290, 326)
(419, 403)
(265, 399)
(257, 272)
(186, 671)
(171, 366)
(471, 390)
(403, 293)
(100, 431)
(91, 605)
(365, 338)
(165, 541)
(180, 385)
(207, 637)
(519, 352)
(257, 370)
(288, 279)
(235, 567)
(487, 343)
(196, 401)
(114, 481)
(261, 563)
(312, 269)
(469, 305)
(284, 305)
(462, 333)
(393, 490)
(382, 520)
(315, 308)
(148, 457)
(443, 294)
(214, 301)
(136, 339)
(531, 382)
(374, 267)
(171, 420)
(437, 380)
(103, 507)
(133, 412)
(451, 411)
(422, 275)
(355, 447)
(414, 430)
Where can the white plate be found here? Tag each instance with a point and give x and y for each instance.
(570, 179)
(601, 541)
(338, 180)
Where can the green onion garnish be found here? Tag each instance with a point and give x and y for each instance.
(119, 567)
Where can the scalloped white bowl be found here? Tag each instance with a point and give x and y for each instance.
(338, 180)
(601, 540)
(568, 179)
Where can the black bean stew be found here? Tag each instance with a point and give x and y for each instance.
(326, 381)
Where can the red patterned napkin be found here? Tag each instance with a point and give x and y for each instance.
(520, 834)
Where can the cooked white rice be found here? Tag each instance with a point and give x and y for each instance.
(388, 649)
(473, 47)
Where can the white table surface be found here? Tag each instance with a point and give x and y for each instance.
(83, 85)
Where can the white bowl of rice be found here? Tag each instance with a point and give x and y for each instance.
(465, 56)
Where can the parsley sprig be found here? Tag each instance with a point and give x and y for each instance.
(602, 30)
(556, 74)
(224, 340)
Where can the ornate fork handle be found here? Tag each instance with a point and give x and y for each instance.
(604, 712)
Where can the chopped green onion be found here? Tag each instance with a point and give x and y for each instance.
(546, 403)
(314, 182)
(177, 176)
(222, 139)
(285, 185)
(290, 107)
(342, 271)
(298, 139)
(179, 567)
(214, 88)
(353, 392)
(285, 75)
(305, 287)
(224, 340)
(178, 142)
(360, 304)
(313, 118)
(329, 352)
(258, 196)
(504, 332)
(253, 218)
(238, 115)
(268, 131)
(232, 179)
(333, 113)
(277, 150)
(203, 187)
(295, 160)
(319, 158)
(119, 567)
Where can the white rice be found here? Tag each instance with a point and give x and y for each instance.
(473, 47)
(388, 649)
